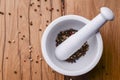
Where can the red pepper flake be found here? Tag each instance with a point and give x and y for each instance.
(9, 41)
(1, 13)
(40, 14)
(15, 72)
(9, 13)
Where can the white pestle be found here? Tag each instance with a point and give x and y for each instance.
(74, 42)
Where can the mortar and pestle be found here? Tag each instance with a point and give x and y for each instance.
(87, 31)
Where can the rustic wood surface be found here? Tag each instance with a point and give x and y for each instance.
(22, 23)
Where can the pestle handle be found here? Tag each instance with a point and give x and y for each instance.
(74, 42)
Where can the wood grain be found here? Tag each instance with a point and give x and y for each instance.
(21, 29)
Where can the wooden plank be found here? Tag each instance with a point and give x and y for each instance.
(17, 34)
(35, 36)
(47, 73)
(11, 64)
(108, 67)
(24, 39)
(2, 36)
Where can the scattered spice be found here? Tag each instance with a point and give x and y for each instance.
(40, 29)
(31, 4)
(30, 47)
(13, 41)
(35, 72)
(51, 9)
(2, 13)
(38, 0)
(20, 16)
(40, 59)
(40, 14)
(37, 62)
(22, 38)
(57, 10)
(9, 41)
(19, 32)
(47, 21)
(62, 36)
(6, 57)
(35, 10)
(45, 0)
(9, 13)
(31, 59)
(31, 23)
(46, 25)
(24, 60)
(38, 5)
(15, 72)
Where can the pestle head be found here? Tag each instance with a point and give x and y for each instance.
(107, 13)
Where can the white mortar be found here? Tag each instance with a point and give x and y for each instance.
(84, 63)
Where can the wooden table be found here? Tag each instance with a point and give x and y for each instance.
(22, 23)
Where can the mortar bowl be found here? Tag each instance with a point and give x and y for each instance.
(85, 63)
